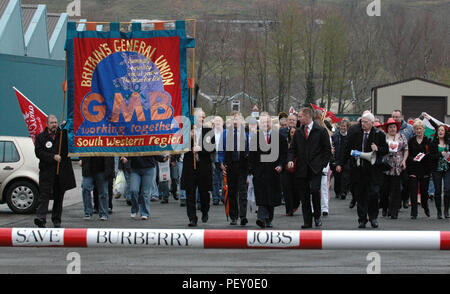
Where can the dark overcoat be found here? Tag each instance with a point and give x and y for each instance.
(243, 154)
(266, 180)
(354, 142)
(204, 166)
(45, 149)
(314, 152)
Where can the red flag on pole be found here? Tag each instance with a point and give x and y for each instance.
(35, 118)
(329, 114)
(317, 107)
(333, 117)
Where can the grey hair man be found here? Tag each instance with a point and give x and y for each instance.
(366, 177)
(55, 171)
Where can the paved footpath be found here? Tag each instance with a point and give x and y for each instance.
(220, 261)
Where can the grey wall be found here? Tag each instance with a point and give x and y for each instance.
(38, 79)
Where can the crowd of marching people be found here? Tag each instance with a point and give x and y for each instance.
(258, 165)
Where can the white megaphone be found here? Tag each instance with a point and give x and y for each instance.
(369, 156)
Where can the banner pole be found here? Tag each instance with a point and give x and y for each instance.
(193, 59)
(194, 153)
(62, 118)
(193, 88)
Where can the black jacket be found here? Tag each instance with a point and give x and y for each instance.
(435, 155)
(204, 167)
(285, 132)
(91, 165)
(314, 152)
(228, 155)
(266, 181)
(45, 149)
(354, 142)
(339, 143)
(425, 166)
(139, 162)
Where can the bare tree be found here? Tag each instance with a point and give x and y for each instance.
(283, 39)
(333, 48)
(309, 38)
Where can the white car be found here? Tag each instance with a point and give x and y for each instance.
(19, 174)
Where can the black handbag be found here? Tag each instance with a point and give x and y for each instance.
(386, 163)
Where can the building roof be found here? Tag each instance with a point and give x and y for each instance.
(28, 12)
(52, 21)
(3, 5)
(409, 80)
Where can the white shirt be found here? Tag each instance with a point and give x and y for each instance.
(267, 134)
(198, 135)
(218, 136)
(309, 127)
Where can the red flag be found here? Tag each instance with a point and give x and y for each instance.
(329, 114)
(35, 118)
(317, 107)
(333, 117)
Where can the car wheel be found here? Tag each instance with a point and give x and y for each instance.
(22, 197)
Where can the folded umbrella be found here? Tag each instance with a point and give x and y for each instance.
(226, 201)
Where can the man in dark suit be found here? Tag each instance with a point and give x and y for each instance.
(341, 177)
(367, 177)
(52, 185)
(197, 170)
(311, 146)
(219, 132)
(267, 160)
(234, 161)
(291, 200)
(291, 123)
(340, 167)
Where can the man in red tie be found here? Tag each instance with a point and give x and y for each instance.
(311, 146)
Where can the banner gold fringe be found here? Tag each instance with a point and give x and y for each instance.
(109, 154)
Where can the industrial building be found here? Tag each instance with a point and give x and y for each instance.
(32, 59)
(412, 96)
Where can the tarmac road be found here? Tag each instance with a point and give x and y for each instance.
(213, 261)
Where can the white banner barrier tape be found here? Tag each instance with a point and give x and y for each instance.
(225, 239)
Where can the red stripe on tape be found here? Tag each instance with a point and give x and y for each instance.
(310, 240)
(75, 237)
(5, 237)
(445, 240)
(225, 239)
